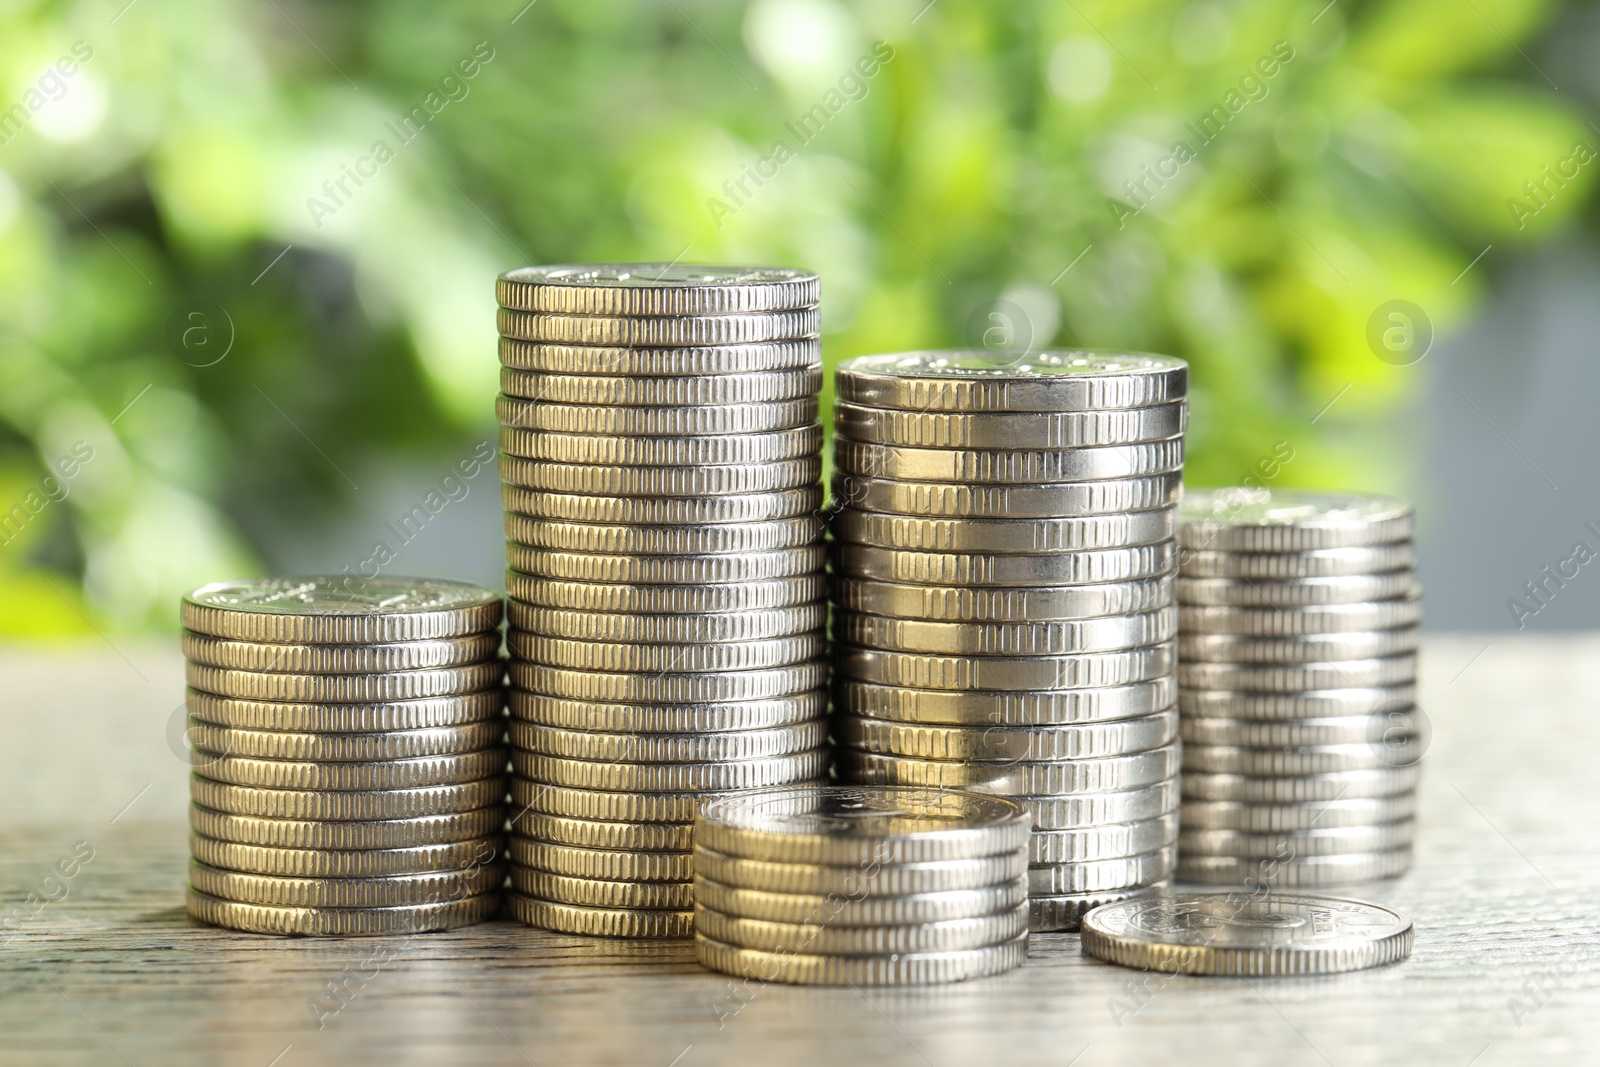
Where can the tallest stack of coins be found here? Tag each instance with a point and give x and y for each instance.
(661, 474)
(1004, 585)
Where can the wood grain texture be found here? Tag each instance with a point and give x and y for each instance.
(1504, 895)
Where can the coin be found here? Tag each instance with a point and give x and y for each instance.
(1102, 842)
(667, 570)
(589, 833)
(433, 888)
(343, 863)
(1382, 782)
(1087, 811)
(1296, 592)
(326, 747)
(654, 289)
(1278, 762)
(415, 832)
(647, 688)
(969, 708)
(1053, 501)
(1054, 638)
(1324, 703)
(730, 656)
(704, 598)
(1306, 620)
(340, 608)
(654, 421)
(604, 480)
(662, 451)
(944, 935)
(1291, 817)
(654, 331)
(839, 825)
(857, 881)
(1298, 872)
(1015, 779)
(971, 568)
(668, 718)
(365, 775)
(606, 806)
(914, 968)
(598, 922)
(355, 805)
(341, 922)
(1321, 563)
(985, 744)
(1064, 912)
(1248, 934)
(1052, 429)
(667, 629)
(604, 864)
(1290, 520)
(383, 717)
(669, 748)
(1366, 644)
(1096, 876)
(1297, 677)
(1005, 673)
(753, 507)
(686, 391)
(836, 910)
(1009, 466)
(961, 604)
(1374, 730)
(659, 362)
(932, 534)
(1284, 845)
(339, 659)
(664, 540)
(345, 688)
(985, 380)
(598, 893)
(673, 777)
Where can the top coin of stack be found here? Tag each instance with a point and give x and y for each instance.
(861, 885)
(349, 754)
(661, 468)
(1297, 687)
(1003, 562)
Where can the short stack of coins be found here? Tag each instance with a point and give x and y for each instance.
(861, 885)
(661, 467)
(1297, 677)
(348, 753)
(1003, 583)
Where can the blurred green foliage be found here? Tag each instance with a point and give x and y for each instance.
(177, 302)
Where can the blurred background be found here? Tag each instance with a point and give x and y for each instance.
(247, 251)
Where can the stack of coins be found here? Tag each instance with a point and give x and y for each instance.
(861, 885)
(661, 461)
(1003, 584)
(1297, 688)
(349, 756)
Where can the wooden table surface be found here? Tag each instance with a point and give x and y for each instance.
(1504, 896)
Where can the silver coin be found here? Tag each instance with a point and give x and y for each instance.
(1331, 841)
(1342, 785)
(1246, 934)
(663, 511)
(1297, 592)
(981, 569)
(428, 712)
(968, 708)
(598, 922)
(1064, 912)
(835, 910)
(666, 570)
(1262, 818)
(659, 362)
(1295, 873)
(984, 380)
(343, 863)
(1042, 605)
(591, 833)
(605, 480)
(668, 748)
(662, 451)
(651, 688)
(656, 330)
(1008, 638)
(1375, 729)
(1108, 841)
(412, 773)
(840, 825)
(1065, 429)
(605, 805)
(1005, 673)
(1280, 762)
(354, 805)
(1290, 520)
(1087, 811)
(1097, 876)
(855, 881)
(332, 747)
(340, 922)
(945, 935)
(687, 391)
(279, 658)
(656, 421)
(1277, 707)
(1320, 563)
(602, 893)
(666, 599)
(1298, 677)
(908, 969)
(728, 656)
(436, 887)
(600, 863)
(720, 776)
(340, 609)
(931, 534)
(668, 718)
(667, 629)
(990, 744)
(654, 289)
(1052, 778)
(1053, 501)
(1008, 466)
(1302, 621)
(1311, 648)
(348, 834)
(345, 688)
(703, 540)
